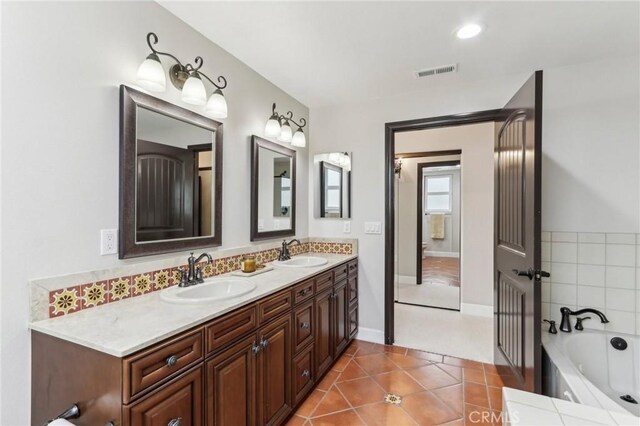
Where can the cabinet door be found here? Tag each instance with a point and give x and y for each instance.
(274, 371)
(324, 331)
(302, 377)
(231, 385)
(179, 402)
(340, 318)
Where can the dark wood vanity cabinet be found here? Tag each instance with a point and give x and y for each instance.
(252, 366)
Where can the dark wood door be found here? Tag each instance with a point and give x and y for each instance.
(340, 317)
(231, 385)
(324, 332)
(274, 376)
(517, 236)
(165, 192)
(179, 402)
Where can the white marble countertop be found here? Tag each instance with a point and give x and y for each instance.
(530, 409)
(125, 327)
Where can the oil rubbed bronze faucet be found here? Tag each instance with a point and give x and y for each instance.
(284, 251)
(193, 275)
(565, 324)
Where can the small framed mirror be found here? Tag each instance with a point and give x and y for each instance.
(333, 188)
(273, 190)
(170, 177)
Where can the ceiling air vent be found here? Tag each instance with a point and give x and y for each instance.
(444, 69)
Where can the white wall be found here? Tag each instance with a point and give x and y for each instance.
(476, 143)
(62, 64)
(590, 114)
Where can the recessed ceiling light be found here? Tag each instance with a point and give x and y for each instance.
(469, 31)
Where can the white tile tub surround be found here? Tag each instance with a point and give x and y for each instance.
(526, 408)
(598, 270)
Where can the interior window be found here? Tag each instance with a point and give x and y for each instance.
(437, 194)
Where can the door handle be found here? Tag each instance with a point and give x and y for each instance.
(528, 273)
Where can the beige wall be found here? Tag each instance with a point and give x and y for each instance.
(476, 142)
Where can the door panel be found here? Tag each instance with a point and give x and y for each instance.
(324, 332)
(341, 321)
(517, 236)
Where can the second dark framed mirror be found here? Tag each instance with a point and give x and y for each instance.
(273, 190)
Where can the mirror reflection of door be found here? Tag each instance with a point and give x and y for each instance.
(331, 184)
(282, 187)
(274, 196)
(174, 189)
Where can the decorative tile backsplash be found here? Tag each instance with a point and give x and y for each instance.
(597, 270)
(72, 297)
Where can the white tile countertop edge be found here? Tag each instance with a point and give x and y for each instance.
(526, 408)
(122, 328)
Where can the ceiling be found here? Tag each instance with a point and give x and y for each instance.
(325, 53)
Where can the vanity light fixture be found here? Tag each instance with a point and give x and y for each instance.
(278, 127)
(184, 77)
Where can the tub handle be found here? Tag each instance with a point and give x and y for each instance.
(568, 396)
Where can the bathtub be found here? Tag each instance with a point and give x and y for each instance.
(584, 367)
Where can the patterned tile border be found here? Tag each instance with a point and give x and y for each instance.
(73, 299)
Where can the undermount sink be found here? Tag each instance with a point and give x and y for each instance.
(301, 262)
(211, 290)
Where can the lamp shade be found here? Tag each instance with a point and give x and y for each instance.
(285, 133)
(193, 91)
(272, 128)
(151, 74)
(216, 105)
(298, 139)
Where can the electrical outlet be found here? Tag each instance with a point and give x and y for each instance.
(372, 228)
(346, 227)
(108, 241)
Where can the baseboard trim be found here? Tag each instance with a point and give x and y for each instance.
(370, 335)
(442, 254)
(485, 311)
(406, 279)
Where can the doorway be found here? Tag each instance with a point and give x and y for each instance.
(428, 236)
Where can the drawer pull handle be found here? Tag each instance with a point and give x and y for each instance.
(306, 373)
(264, 342)
(305, 325)
(175, 422)
(304, 292)
(172, 360)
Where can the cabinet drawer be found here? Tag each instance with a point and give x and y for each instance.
(353, 289)
(303, 374)
(353, 321)
(324, 281)
(179, 399)
(352, 268)
(230, 327)
(302, 291)
(145, 370)
(274, 306)
(303, 325)
(339, 273)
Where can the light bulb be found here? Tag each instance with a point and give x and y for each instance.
(469, 31)
(272, 128)
(193, 91)
(151, 74)
(285, 133)
(299, 139)
(217, 105)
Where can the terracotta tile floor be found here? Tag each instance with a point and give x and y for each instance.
(441, 270)
(373, 384)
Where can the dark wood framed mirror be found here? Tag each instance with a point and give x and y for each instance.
(170, 177)
(273, 190)
(332, 185)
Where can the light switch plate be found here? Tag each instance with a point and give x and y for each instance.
(373, 228)
(108, 241)
(346, 227)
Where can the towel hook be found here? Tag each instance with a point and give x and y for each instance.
(72, 412)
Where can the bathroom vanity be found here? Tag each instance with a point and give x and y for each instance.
(251, 361)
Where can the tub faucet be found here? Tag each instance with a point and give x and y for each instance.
(193, 275)
(284, 251)
(565, 325)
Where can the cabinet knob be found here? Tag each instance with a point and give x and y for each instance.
(255, 348)
(306, 373)
(264, 342)
(304, 292)
(305, 325)
(172, 360)
(175, 422)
